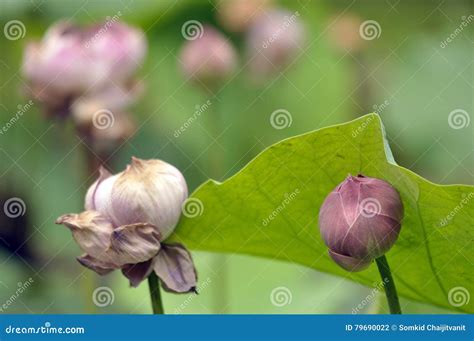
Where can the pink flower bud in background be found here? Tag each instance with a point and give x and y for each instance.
(71, 61)
(238, 15)
(104, 141)
(344, 33)
(274, 41)
(127, 218)
(360, 221)
(209, 59)
(102, 129)
(113, 97)
(101, 120)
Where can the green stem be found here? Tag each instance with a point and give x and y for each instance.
(155, 294)
(389, 285)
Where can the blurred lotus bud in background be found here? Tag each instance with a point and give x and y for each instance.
(238, 15)
(106, 140)
(344, 33)
(112, 98)
(209, 59)
(102, 129)
(72, 61)
(274, 41)
(100, 117)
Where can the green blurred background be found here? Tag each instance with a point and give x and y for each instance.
(42, 162)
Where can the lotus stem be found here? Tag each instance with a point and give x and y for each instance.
(155, 294)
(389, 285)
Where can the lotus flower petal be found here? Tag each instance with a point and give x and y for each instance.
(102, 268)
(136, 273)
(350, 263)
(174, 266)
(136, 243)
(91, 230)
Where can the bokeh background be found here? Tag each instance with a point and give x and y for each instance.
(408, 74)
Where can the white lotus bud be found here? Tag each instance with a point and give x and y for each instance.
(148, 191)
(127, 217)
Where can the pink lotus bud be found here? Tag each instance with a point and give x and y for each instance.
(100, 119)
(114, 98)
(274, 40)
(71, 60)
(209, 59)
(127, 218)
(238, 15)
(360, 221)
(104, 130)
